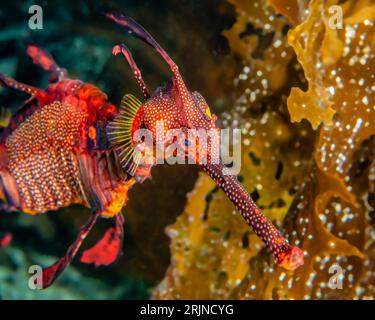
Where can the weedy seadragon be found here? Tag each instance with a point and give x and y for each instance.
(68, 144)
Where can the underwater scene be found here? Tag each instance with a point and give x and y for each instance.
(83, 216)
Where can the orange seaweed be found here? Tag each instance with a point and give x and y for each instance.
(314, 178)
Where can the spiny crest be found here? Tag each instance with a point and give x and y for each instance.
(120, 133)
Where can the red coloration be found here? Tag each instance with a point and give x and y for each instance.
(6, 240)
(44, 59)
(286, 256)
(136, 122)
(57, 151)
(40, 57)
(40, 95)
(105, 252)
(92, 133)
(54, 153)
(109, 111)
(177, 107)
(137, 73)
(292, 259)
(108, 249)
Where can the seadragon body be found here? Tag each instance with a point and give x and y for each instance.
(69, 144)
(58, 154)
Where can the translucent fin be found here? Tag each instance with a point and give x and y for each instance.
(120, 133)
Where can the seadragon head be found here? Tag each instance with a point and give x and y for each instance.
(177, 117)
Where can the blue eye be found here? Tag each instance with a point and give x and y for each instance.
(187, 143)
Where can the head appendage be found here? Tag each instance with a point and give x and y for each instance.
(6, 81)
(179, 85)
(122, 48)
(44, 59)
(190, 105)
(138, 31)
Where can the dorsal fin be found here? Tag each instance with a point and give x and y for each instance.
(120, 133)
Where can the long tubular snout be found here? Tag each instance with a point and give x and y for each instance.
(286, 256)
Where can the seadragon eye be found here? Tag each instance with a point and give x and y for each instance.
(187, 143)
(201, 102)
